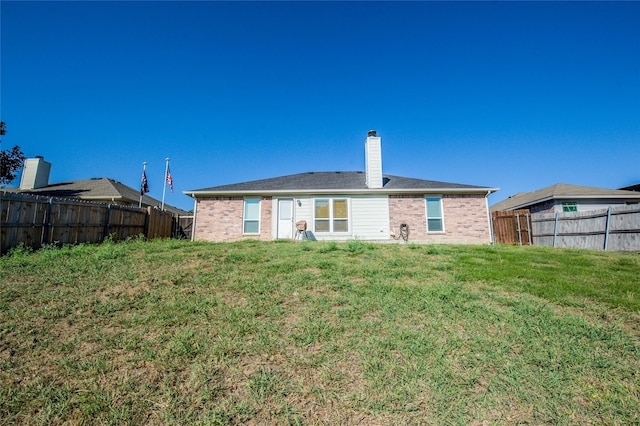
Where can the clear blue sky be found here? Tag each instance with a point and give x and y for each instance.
(515, 95)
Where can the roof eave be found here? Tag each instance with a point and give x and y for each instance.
(571, 197)
(381, 191)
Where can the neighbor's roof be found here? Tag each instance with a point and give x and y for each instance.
(335, 182)
(561, 191)
(98, 189)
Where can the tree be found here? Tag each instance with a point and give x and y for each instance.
(10, 160)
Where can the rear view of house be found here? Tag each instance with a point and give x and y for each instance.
(369, 206)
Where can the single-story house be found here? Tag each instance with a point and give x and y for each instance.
(35, 181)
(562, 197)
(368, 206)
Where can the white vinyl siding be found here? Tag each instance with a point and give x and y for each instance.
(251, 216)
(435, 219)
(370, 217)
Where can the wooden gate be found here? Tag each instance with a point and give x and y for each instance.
(512, 227)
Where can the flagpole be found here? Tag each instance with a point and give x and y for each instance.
(164, 187)
(144, 169)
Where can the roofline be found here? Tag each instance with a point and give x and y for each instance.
(382, 191)
(572, 197)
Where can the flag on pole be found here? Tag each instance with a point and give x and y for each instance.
(169, 178)
(144, 186)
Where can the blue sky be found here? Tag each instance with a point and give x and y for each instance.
(515, 95)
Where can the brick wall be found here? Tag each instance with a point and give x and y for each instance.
(220, 219)
(465, 218)
(544, 207)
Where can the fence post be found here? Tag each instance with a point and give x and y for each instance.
(519, 229)
(555, 230)
(606, 229)
(47, 222)
(147, 222)
(529, 230)
(107, 225)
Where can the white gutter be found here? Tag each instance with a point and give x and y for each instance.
(486, 200)
(196, 194)
(193, 224)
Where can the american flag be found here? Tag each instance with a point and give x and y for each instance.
(169, 178)
(144, 186)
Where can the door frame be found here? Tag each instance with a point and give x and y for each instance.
(279, 227)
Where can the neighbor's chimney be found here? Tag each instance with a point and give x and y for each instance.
(35, 173)
(373, 160)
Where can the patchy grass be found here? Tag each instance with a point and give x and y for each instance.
(172, 332)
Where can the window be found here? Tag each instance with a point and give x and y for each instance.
(251, 216)
(569, 207)
(331, 215)
(435, 222)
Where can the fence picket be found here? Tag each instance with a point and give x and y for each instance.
(35, 221)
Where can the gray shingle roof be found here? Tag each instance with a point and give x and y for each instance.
(333, 181)
(560, 191)
(98, 189)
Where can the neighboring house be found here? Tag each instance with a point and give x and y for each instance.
(365, 205)
(35, 180)
(562, 197)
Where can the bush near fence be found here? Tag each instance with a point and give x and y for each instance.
(36, 221)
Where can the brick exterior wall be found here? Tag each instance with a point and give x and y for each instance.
(220, 219)
(546, 207)
(465, 218)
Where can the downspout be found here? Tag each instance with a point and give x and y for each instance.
(489, 221)
(193, 223)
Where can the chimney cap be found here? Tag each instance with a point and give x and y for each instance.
(372, 133)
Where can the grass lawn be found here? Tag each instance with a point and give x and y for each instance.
(172, 332)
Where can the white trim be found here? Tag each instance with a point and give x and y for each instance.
(244, 205)
(489, 218)
(276, 222)
(338, 192)
(195, 216)
(426, 213)
(331, 217)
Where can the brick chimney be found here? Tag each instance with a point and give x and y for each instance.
(35, 173)
(373, 160)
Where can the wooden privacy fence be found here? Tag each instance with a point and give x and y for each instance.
(512, 227)
(36, 221)
(614, 228)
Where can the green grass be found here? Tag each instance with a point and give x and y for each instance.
(172, 332)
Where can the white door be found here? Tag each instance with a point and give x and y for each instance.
(285, 218)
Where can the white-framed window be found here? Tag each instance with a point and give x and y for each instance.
(251, 216)
(331, 215)
(435, 218)
(570, 206)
